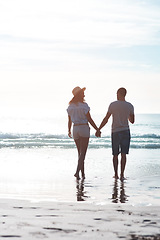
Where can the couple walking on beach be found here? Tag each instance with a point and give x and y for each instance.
(79, 114)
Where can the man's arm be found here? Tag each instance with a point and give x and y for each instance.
(131, 118)
(105, 120)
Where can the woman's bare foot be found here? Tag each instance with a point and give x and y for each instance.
(77, 176)
(116, 177)
(83, 176)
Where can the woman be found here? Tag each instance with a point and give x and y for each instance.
(78, 113)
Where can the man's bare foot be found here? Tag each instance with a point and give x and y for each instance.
(77, 176)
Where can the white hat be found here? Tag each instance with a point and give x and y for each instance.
(77, 90)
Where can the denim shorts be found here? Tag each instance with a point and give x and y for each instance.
(81, 131)
(121, 142)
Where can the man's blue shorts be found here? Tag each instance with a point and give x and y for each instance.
(121, 142)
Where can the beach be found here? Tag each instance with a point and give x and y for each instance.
(48, 174)
(40, 198)
(48, 49)
(66, 220)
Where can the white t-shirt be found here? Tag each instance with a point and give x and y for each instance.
(78, 112)
(120, 111)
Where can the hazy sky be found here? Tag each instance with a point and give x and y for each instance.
(47, 47)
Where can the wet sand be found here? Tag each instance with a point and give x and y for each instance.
(40, 199)
(66, 220)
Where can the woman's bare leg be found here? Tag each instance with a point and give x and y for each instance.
(77, 142)
(82, 145)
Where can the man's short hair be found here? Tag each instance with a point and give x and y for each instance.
(122, 92)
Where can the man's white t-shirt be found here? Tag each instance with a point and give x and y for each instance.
(78, 112)
(120, 111)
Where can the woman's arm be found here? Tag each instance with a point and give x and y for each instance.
(90, 120)
(69, 126)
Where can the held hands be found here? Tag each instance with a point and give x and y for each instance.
(98, 133)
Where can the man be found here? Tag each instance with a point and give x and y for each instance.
(121, 112)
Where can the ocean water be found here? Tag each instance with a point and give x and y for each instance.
(52, 132)
(38, 162)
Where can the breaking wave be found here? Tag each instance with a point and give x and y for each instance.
(7, 140)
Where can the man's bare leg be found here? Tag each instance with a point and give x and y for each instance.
(123, 164)
(115, 165)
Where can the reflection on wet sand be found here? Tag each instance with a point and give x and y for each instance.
(81, 194)
(119, 194)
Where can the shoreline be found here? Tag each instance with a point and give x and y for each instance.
(48, 174)
(107, 209)
(77, 220)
